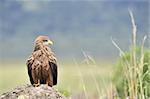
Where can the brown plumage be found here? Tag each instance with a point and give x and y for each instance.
(42, 64)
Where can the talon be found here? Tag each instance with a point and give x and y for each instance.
(47, 83)
(38, 84)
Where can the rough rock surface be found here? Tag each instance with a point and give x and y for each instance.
(30, 92)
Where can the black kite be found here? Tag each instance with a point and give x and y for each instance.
(42, 64)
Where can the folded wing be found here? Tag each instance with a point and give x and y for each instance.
(53, 67)
(29, 67)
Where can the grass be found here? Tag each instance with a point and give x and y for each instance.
(135, 85)
(12, 75)
(70, 81)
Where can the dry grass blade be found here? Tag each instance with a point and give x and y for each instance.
(81, 77)
(87, 58)
(134, 82)
(133, 67)
(115, 44)
(91, 72)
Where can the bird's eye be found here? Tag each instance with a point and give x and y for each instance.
(45, 40)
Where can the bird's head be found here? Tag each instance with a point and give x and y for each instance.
(44, 40)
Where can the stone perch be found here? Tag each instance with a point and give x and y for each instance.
(30, 92)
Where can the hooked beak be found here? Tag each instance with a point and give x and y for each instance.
(50, 42)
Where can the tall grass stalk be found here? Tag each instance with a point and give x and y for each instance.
(134, 80)
(140, 70)
(81, 78)
(133, 67)
(87, 58)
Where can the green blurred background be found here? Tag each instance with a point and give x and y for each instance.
(74, 27)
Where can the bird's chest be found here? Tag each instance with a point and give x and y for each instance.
(41, 62)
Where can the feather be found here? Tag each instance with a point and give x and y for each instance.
(42, 64)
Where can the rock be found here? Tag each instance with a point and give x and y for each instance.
(30, 92)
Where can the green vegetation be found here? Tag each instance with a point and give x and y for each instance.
(123, 74)
(74, 78)
(132, 77)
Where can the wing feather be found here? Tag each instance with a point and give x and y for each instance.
(29, 67)
(53, 67)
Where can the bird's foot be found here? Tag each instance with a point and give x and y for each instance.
(36, 85)
(48, 84)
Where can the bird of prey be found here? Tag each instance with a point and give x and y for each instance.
(42, 64)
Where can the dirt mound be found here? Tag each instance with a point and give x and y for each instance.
(30, 92)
